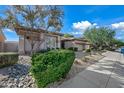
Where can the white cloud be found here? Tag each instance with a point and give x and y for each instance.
(8, 30)
(76, 33)
(119, 37)
(118, 26)
(83, 25)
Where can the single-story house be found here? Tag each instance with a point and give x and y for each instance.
(2, 40)
(80, 44)
(37, 39)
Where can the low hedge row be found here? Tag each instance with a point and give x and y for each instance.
(73, 48)
(7, 59)
(88, 50)
(51, 66)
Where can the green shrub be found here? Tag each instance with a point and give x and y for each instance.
(88, 50)
(7, 59)
(42, 51)
(73, 48)
(70, 48)
(51, 66)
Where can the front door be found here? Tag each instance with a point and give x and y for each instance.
(62, 44)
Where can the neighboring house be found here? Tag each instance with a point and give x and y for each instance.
(39, 39)
(2, 40)
(7, 46)
(80, 44)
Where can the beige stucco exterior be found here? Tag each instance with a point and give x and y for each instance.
(44, 41)
(69, 44)
(79, 44)
(51, 42)
(11, 46)
(1, 46)
(39, 39)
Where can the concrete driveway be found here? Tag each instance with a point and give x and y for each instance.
(107, 73)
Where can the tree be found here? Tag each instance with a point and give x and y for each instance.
(55, 18)
(101, 38)
(68, 35)
(118, 43)
(33, 17)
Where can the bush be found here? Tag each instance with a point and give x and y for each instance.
(70, 48)
(88, 50)
(111, 49)
(7, 59)
(42, 51)
(73, 48)
(51, 66)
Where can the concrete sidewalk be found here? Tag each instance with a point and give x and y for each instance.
(107, 73)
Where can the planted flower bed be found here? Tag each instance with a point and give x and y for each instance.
(7, 59)
(51, 66)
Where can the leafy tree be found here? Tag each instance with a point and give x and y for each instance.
(33, 17)
(101, 38)
(55, 18)
(68, 35)
(118, 43)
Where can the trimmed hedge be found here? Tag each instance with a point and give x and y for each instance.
(73, 48)
(88, 50)
(7, 59)
(51, 66)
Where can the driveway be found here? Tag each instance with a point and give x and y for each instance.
(107, 73)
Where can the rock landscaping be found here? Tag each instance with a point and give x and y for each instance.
(17, 76)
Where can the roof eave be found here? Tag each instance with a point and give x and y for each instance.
(37, 31)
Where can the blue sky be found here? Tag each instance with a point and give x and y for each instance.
(78, 18)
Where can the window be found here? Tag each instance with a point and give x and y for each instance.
(51, 42)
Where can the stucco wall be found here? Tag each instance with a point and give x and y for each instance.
(80, 47)
(87, 46)
(59, 42)
(46, 41)
(51, 42)
(21, 45)
(68, 44)
(11, 46)
(1, 46)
